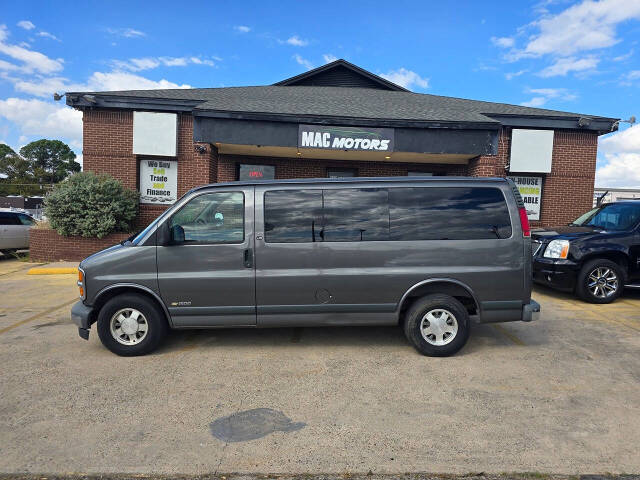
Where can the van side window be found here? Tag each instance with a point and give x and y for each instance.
(212, 218)
(356, 214)
(293, 216)
(9, 219)
(26, 220)
(448, 213)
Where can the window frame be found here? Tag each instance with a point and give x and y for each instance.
(169, 220)
(342, 169)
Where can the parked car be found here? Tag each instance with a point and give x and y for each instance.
(14, 231)
(595, 256)
(428, 254)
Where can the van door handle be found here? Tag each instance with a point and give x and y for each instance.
(248, 258)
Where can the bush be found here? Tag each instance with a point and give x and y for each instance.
(91, 205)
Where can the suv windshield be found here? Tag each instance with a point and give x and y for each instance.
(613, 216)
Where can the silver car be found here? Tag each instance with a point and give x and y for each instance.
(14, 231)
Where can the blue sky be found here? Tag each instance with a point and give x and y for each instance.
(581, 56)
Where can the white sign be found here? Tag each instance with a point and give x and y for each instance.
(531, 191)
(155, 133)
(158, 181)
(531, 151)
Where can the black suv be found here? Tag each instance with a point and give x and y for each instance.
(595, 256)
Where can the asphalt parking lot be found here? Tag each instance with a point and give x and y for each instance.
(559, 395)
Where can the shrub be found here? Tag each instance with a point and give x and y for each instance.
(91, 205)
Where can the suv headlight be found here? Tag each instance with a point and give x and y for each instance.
(557, 249)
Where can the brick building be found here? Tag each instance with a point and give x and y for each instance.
(336, 120)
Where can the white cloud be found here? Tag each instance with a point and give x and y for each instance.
(99, 81)
(303, 61)
(126, 32)
(242, 28)
(37, 117)
(621, 58)
(511, 75)
(630, 78)
(585, 26)
(406, 78)
(621, 151)
(48, 35)
(26, 24)
(503, 42)
(328, 58)
(563, 66)
(148, 63)
(296, 41)
(543, 95)
(31, 61)
(535, 102)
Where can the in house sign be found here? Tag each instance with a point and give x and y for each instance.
(345, 138)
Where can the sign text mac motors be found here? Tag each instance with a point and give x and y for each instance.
(345, 138)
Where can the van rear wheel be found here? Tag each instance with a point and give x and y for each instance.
(437, 325)
(131, 325)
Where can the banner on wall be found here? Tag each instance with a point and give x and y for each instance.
(158, 181)
(531, 191)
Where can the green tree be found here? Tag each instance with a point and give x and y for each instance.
(15, 174)
(50, 161)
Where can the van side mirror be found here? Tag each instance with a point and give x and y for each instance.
(177, 235)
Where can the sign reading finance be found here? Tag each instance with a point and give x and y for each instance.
(345, 138)
(531, 192)
(158, 181)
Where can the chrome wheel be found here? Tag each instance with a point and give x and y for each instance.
(439, 327)
(129, 326)
(602, 282)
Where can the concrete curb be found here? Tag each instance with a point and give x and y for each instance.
(52, 271)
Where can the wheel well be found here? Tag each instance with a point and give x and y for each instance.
(452, 289)
(114, 292)
(617, 257)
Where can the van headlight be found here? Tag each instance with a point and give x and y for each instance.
(557, 249)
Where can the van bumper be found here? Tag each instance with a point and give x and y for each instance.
(531, 311)
(81, 316)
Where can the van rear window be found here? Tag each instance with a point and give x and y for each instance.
(376, 214)
(448, 213)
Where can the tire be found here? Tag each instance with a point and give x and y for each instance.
(594, 271)
(438, 344)
(134, 338)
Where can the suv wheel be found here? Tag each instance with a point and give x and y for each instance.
(600, 281)
(437, 325)
(131, 324)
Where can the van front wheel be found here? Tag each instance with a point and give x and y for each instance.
(131, 324)
(437, 325)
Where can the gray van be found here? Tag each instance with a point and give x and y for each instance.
(429, 254)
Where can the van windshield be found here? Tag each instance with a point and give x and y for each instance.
(613, 216)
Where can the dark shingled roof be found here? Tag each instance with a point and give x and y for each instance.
(341, 102)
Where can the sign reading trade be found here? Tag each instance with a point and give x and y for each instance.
(158, 181)
(531, 192)
(345, 138)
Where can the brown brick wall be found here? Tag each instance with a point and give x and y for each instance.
(314, 168)
(46, 245)
(108, 138)
(567, 192)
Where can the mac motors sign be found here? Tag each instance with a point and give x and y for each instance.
(345, 138)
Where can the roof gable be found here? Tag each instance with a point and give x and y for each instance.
(340, 74)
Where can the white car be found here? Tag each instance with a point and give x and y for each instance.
(14, 230)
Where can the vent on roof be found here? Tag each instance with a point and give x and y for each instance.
(339, 77)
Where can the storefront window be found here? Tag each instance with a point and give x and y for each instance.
(256, 172)
(341, 172)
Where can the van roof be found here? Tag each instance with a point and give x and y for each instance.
(351, 180)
